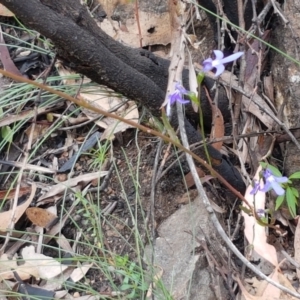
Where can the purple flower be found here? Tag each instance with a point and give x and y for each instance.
(273, 182)
(219, 61)
(177, 96)
(256, 188)
(261, 212)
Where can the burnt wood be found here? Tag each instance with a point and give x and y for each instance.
(135, 73)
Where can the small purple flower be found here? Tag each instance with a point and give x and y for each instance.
(273, 182)
(256, 188)
(261, 212)
(177, 96)
(219, 61)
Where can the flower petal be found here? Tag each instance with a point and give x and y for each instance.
(220, 69)
(219, 54)
(281, 179)
(207, 65)
(255, 188)
(277, 188)
(180, 88)
(266, 188)
(182, 101)
(231, 57)
(174, 97)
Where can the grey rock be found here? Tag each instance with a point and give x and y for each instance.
(185, 273)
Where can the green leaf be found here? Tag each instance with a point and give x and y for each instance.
(125, 287)
(279, 201)
(292, 209)
(200, 77)
(7, 133)
(169, 128)
(291, 201)
(295, 192)
(245, 210)
(194, 98)
(132, 294)
(296, 175)
(262, 222)
(273, 169)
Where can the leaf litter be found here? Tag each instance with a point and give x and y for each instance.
(51, 272)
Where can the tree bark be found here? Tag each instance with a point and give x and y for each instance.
(286, 77)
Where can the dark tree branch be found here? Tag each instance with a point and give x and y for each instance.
(135, 73)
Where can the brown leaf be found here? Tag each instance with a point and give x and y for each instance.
(217, 129)
(6, 217)
(40, 217)
(254, 232)
(5, 12)
(10, 194)
(72, 183)
(6, 60)
(39, 130)
(189, 178)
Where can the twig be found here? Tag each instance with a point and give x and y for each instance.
(252, 97)
(263, 14)
(151, 210)
(87, 105)
(213, 217)
(13, 206)
(160, 171)
(290, 259)
(138, 22)
(277, 10)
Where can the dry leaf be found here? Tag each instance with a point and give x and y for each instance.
(98, 97)
(255, 233)
(217, 129)
(27, 114)
(40, 217)
(46, 266)
(189, 177)
(297, 246)
(57, 282)
(10, 194)
(6, 60)
(273, 293)
(35, 265)
(71, 183)
(39, 130)
(6, 217)
(155, 27)
(80, 272)
(28, 167)
(7, 266)
(5, 12)
(253, 104)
